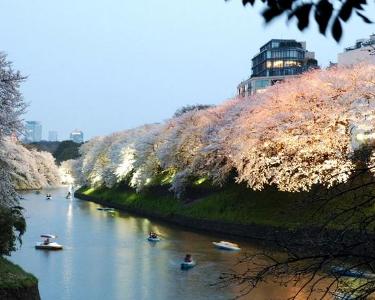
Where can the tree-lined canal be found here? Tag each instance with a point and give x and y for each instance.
(107, 256)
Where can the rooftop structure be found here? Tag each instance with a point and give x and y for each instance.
(363, 51)
(277, 60)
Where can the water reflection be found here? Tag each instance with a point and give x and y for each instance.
(107, 256)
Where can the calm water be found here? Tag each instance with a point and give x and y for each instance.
(108, 257)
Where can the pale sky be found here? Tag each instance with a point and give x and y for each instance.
(104, 66)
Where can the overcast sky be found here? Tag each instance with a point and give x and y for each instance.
(104, 66)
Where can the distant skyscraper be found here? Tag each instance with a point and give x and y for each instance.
(76, 136)
(33, 131)
(52, 136)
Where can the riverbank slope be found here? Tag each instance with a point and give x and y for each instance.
(16, 284)
(234, 210)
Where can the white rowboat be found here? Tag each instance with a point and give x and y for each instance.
(48, 246)
(226, 245)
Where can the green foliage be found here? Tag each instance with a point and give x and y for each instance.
(61, 151)
(43, 146)
(12, 276)
(66, 150)
(11, 221)
(327, 13)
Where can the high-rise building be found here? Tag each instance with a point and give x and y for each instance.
(76, 136)
(277, 60)
(362, 52)
(33, 131)
(52, 136)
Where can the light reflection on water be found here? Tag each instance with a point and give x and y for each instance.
(108, 257)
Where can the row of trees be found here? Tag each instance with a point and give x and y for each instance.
(29, 169)
(296, 134)
(12, 106)
(19, 167)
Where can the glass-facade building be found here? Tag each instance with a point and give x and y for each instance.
(275, 61)
(76, 136)
(52, 136)
(33, 131)
(279, 58)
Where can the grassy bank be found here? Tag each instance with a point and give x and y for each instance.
(233, 204)
(13, 277)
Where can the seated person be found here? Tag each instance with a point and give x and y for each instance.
(153, 235)
(188, 258)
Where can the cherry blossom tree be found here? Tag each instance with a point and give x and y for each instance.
(11, 108)
(70, 172)
(19, 167)
(47, 168)
(29, 169)
(296, 134)
(147, 165)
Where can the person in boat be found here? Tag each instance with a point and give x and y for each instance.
(153, 235)
(46, 241)
(188, 258)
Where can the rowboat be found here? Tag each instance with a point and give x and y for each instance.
(226, 246)
(46, 244)
(153, 239)
(185, 265)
